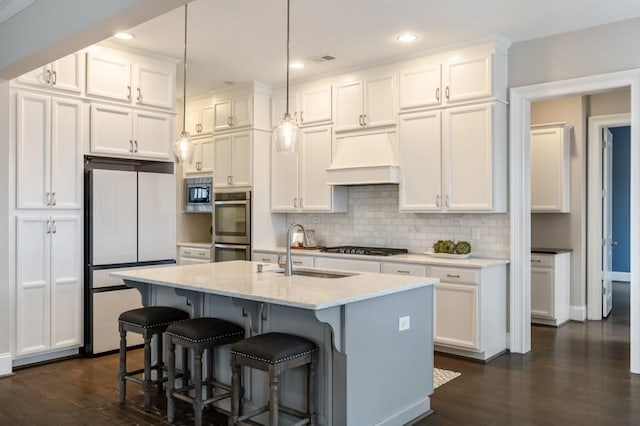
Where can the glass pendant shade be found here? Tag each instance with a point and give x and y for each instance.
(286, 134)
(184, 149)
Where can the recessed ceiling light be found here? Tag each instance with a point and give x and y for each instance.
(123, 36)
(407, 38)
(296, 65)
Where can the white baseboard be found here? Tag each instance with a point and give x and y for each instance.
(577, 313)
(621, 276)
(49, 356)
(5, 364)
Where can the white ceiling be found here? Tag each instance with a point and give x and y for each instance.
(245, 40)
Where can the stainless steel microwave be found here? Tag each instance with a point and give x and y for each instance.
(198, 195)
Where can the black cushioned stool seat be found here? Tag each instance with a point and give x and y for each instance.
(198, 334)
(149, 321)
(274, 353)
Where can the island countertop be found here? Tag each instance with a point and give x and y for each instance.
(240, 279)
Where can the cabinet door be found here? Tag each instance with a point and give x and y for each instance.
(67, 73)
(108, 75)
(207, 120)
(196, 164)
(550, 171)
(32, 284)
(456, 318)
(315, 194)
(467, 78)
(348, 264)
(222, 115)
(66, 153)
(468, 165)
(66, 282)
(404, 269)
(349, 111)
(33, 133)
(542, 287)
(316, 105)
(111, 130)
(241, 159)
(420, 162)
(153, 134)
(222, 174)
(420, 86)
(155, 84)
(279, 107)
(241, 111)
(40, 76)
(379, 101)
(192, 122)
(284, 180)
(207, 156)
(156, 216)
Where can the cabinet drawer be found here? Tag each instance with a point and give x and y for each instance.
(265, 257)
(302, 260)
(404, 269)
(542, 260)
(450, 275)
(195, 252)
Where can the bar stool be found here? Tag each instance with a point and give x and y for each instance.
(149, 321)
(198, 334)
(274, 353)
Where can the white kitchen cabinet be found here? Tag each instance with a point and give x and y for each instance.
(470, 310)
(551, 168)
(232, 159)
(193, 254)
(550, 280)
(232, 113)
(399, 268)
(156, 216)
(420, 85)
(65, 74)
(365, 103)
(49, 137)
(199, 121)
(309, 105)
(299, 180)
(126, 132)
(296, 260)
(454, 160)
(348, 264)
(48, 284)
(133, 79)
(279, 107)
(202, 159)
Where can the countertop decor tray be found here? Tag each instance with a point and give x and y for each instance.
(448, 256)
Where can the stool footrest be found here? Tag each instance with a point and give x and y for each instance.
(253, 413)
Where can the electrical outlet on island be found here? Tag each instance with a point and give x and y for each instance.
(404, 323)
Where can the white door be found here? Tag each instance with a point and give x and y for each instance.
(542, 293)
(66, 282)
(32, 284)
(33, 133)
(66, 153)
(206, 120)
(420, 86)
(349, 111)
(40, 76)
(284, 180)
(315, 194)
(67, 73)
(156, 216)
(222, 160)
(467, 78)
(155, 84)
(114, 217)
(316, 104)
(607, 228)
(420, 162)
(153, 135)
(241, 111)
(456, 317)
(241, 159)
(379, 101)
(207, 150)
(221, 115)
(108, 75)
(111, 130)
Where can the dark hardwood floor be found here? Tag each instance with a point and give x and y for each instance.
(575, 375)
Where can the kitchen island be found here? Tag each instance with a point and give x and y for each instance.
(374, 331)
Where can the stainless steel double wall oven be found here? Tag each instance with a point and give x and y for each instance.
(232, 226)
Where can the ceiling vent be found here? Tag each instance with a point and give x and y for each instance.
(322, 58)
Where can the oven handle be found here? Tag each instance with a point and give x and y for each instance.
(231, 202)
(233, 246)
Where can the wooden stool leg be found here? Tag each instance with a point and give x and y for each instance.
(159, 363)
(197, 379)
(123, 365)
(311, 390)
(186, 376)
(210, 373)
(147, 372)
(235, 394)
(273, 396)
(171, 381)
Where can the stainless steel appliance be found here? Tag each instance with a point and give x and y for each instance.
(232, 226)
(367, 251)
(130, 222)
(198, 193)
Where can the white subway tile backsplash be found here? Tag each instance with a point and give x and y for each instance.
(373, 219)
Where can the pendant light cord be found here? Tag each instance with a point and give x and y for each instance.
(287, 100)
(184, 75)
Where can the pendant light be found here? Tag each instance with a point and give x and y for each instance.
(183, 148)
(288, 132)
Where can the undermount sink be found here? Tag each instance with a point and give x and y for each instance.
(319, 273)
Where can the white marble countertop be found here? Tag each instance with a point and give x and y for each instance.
(240, 279)
(422, 259)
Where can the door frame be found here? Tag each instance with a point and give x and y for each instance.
(520, 198)
(594, 207)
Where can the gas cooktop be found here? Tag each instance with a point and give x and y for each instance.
(367, 251)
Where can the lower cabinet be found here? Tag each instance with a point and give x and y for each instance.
(550, 280)
(49, 284)
(470, 311)
(267, 257)
(348, 264)
(192, 254)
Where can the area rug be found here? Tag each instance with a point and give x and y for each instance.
(441, 376)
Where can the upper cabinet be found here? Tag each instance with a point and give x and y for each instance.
(551, 168)
(365, 103)
(203, 159)
(232, 113)
(65, 75)
(232, 160)
(199, 121)
(456, 77)
(136, 80)
(309, 105)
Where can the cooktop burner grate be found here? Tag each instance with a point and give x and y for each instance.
(367, 251)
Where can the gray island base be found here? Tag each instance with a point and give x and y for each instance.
(370, 372)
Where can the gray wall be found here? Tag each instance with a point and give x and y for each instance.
(614, 102)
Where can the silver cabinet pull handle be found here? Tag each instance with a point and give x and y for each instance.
(48, 76)
(360, 121)
(266, 259)
(301, 206)
(446, 92)
(438, 201)
(136, 144)
(453, 276)
(296, 262)
(438, 94)
(53, 199)
(198, 128)
(301, 117)
(403, 271)
(54, 226)
(55, 78)
(536, 261)
(228, 180)
(129, 92)
(295, 202)
(48, 197)
(130, 145)
(48, 226)
(139, 98)
(230, 121)
(364, 120)
(446, 201)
